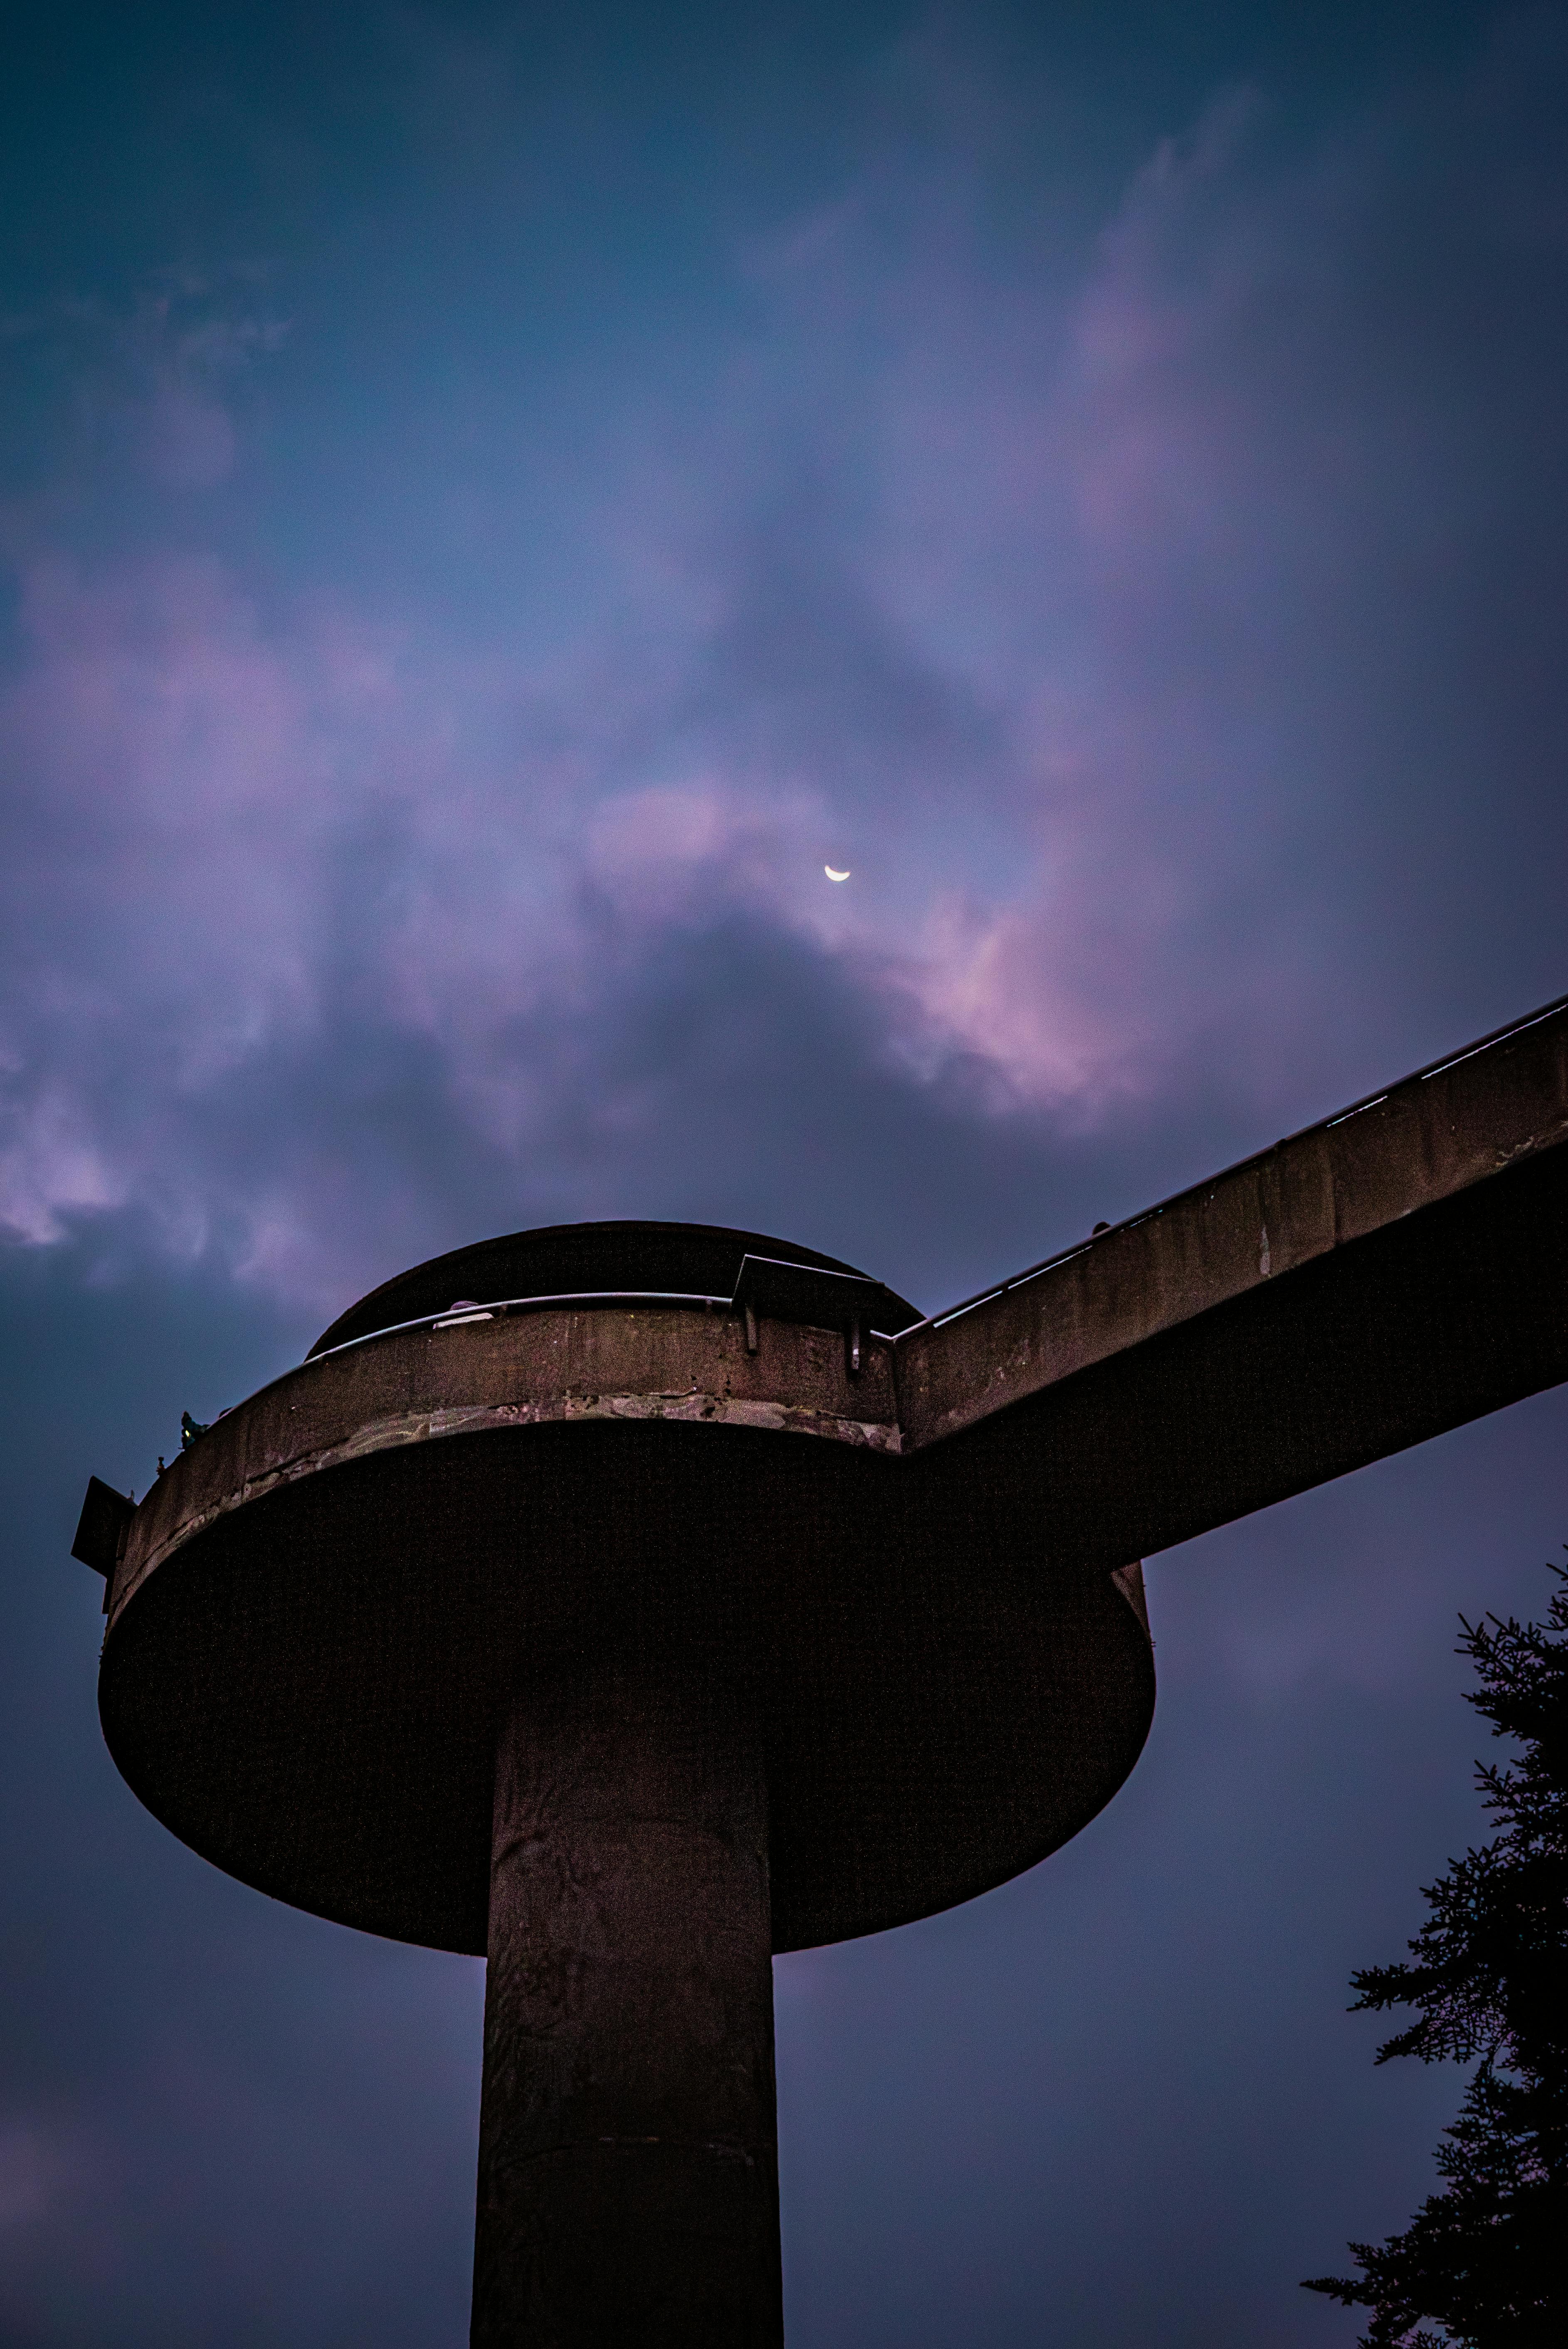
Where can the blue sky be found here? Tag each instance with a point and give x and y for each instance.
(491, 500)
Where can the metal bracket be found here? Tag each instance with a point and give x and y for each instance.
(102, 1531)
(810, 1294)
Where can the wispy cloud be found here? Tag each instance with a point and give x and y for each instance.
(1096, 623)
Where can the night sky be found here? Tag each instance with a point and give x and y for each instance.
(492, 498)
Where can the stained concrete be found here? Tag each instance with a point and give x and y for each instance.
(628, 2075)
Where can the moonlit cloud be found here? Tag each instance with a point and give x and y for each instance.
(1089, 746)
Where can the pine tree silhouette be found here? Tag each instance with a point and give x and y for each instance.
(1485, 2260)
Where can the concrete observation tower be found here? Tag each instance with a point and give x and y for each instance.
(629, 1601)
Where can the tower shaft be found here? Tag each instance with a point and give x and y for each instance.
(628, 2179)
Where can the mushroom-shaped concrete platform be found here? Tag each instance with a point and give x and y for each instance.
(589, 1621)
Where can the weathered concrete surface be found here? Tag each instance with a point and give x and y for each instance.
(628, 2162)
(1370, 1283)
(1355, 1175)
(562, 1365)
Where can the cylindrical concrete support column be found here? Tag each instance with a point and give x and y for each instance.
(628, 2185)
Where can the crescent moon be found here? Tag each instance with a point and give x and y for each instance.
(836, 876)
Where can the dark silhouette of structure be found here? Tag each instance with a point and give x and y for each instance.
(688, 1597)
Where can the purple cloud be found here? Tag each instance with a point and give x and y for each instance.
(1101, 636)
